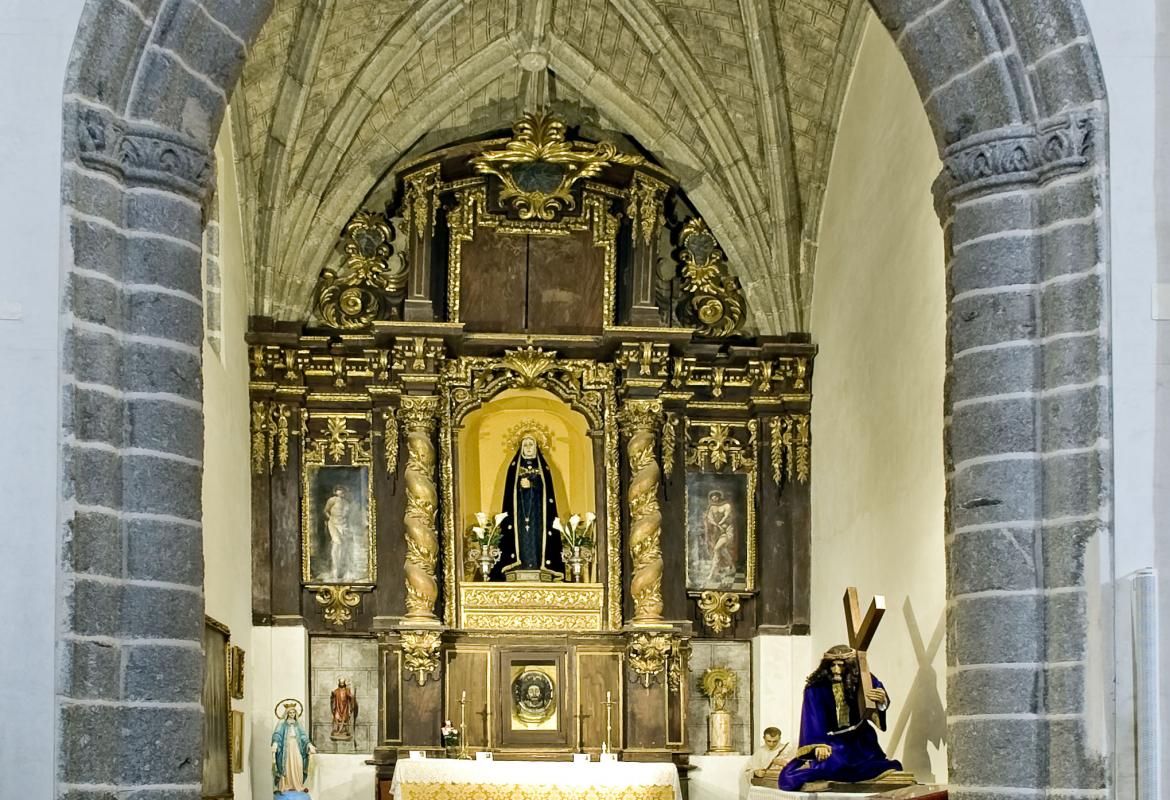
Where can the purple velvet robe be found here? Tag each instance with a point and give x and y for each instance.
(856, 756)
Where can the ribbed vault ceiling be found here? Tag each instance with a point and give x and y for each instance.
(739, 99)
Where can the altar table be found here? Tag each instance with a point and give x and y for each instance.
(450, 779)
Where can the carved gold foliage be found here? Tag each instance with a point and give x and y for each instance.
(538, 167)
(259, 437)
(641, 420)
(390, 441)
(358, 293)
(339, 602)
(676, 665)
(791, 448)
(647, 654)
(718, 608)
(720, 448)
(669, 442)
(420, 650)
(420, 202)
(270, 432)
(529, 363)
(714, 301)
(645, 208)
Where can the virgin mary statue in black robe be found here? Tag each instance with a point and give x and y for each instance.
(528, 540)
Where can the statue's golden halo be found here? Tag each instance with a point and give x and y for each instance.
(528, 427)
(289, 701)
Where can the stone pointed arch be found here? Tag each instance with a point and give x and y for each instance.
(1015, 96)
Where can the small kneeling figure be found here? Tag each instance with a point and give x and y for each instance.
(836, 742)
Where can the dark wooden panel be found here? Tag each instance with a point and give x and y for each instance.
(774, 568)
(261, 550)
(391, 708)
(467, 671)
(421, 711)
(675, 604)
(491, 283)
(389, 598)
(286, 535)
(566, 280)
(646, 712)
(598, 672)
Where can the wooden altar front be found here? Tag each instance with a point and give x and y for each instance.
(512, 289)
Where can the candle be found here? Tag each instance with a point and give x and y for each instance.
(607, 700)
(463, 698)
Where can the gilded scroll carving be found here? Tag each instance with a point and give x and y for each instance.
(641, 419)
(358, 293)
(420, 650)
(422, 500)
(713, 299)
(718, 608)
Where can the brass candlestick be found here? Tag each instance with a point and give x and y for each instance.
(605, 748)
(463, 725)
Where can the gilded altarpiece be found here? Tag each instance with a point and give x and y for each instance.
(502, 338)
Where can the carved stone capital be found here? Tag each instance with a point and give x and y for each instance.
(1017, 155)
(143, 155)
(647, 654)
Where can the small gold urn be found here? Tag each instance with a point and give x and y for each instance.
(718, 684)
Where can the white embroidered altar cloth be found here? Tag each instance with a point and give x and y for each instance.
(450, 779)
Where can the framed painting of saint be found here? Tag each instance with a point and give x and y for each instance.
(217, 743)
(338, 525)
(720, 531)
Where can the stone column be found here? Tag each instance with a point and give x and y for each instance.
(417, 415)
(641, 420)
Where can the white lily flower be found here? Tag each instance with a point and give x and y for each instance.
(557, 525)
(503, 515)
(590, 517)
(574, 521)
(478, 531)
(481, 518)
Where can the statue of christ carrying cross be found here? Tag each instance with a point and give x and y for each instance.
(842, 703)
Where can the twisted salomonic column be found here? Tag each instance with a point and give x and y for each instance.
(640, 420)
(417, 415)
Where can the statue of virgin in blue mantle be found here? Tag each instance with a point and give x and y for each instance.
(838, 742)
(291, 749)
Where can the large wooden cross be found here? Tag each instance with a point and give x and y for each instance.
(861, 633)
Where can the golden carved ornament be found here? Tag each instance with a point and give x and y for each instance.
(718, 684)
(669, 442)
(720, 448)
(420, 202)
(645, 208)
(538, 167)
(647, 654)
(714, 301)
(280, 419)
(422, 503)
(529, 364)
(718, 608)
(339, 602)
(528, 427)
(390, 441)
(641, 419)
(358, 293)
(260, 459)
(420, 650)
(676, 665)
(791, 448)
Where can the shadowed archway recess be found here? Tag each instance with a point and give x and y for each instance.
(1016, 100)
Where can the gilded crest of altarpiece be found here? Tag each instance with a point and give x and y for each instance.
(537, 329)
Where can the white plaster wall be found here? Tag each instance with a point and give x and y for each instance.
(877, 465)
(227, 483)
(35, 40)
(1133, 42)
(281, 671)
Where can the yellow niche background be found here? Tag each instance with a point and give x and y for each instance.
(483, 453)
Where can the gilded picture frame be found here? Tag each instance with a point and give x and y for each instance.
(338, 512)
(217, 738)
(720, 506)
(236, 672)
(237, 738)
